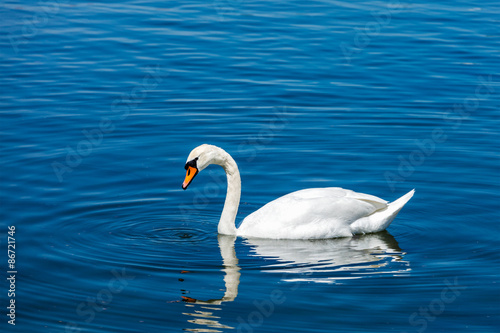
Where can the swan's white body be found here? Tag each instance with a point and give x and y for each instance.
(320, 213)
(317, 213)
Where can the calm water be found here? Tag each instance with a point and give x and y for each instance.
(101, 104)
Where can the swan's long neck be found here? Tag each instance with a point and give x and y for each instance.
(228, 217)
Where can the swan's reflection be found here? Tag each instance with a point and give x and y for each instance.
(330, 261)
(231, 272)
(203, 311)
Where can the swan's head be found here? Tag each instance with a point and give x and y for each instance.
(201, 157)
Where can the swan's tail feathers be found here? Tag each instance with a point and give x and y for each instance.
(399, 203)
(381, 219)
(393, 209)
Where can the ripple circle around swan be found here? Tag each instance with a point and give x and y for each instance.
(126, 233)
(164, 234)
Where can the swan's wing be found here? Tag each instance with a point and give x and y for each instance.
(335, 192)
(375, 201)
(310, 213)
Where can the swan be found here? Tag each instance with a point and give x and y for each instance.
(315, 213)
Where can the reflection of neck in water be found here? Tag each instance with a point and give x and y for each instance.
(231, 270)
(203, 316)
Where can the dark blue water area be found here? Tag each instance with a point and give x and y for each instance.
(101, 104)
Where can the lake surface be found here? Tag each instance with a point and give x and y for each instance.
(102, 103)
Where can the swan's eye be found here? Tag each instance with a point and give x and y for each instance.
(191, 163)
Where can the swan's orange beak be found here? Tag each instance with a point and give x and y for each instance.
(190, 173)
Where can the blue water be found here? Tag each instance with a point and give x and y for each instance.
(102, 102)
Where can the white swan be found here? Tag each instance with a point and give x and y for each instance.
(316, 213)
